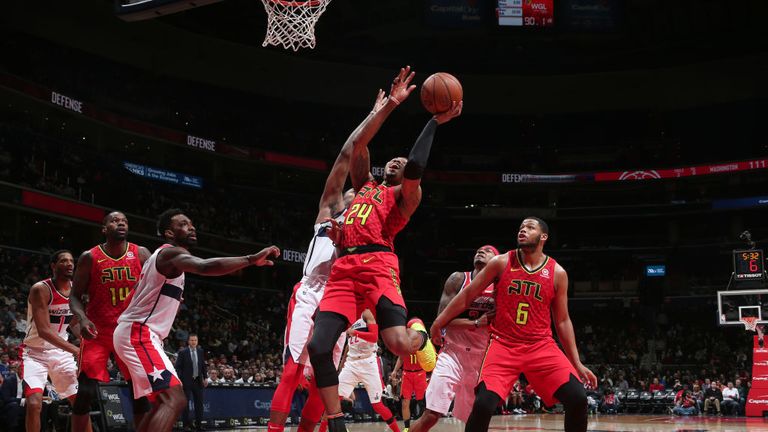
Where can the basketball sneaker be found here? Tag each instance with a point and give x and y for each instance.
(426, 356)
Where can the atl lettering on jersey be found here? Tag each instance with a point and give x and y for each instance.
(523, 301)
(112, 282)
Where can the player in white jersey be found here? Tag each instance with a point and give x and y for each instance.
(464, 344)
(362, 366)
(148, 318)
(309, 291)
(46, 351)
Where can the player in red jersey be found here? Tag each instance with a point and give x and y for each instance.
(308, 292)
(531, 288)
(414, 383)
(366, 274)
(107, 273)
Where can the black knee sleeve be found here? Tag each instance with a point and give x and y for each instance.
(328, 328)
(574, 399)
(485, 405)
(389, 314)
(141, 405)
(87, 391)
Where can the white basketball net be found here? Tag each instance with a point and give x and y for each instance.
(292, 23)
(750, 323)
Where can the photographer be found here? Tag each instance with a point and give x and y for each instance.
(686, 406)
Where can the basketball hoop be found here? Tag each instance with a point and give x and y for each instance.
(292, 23)
(750, 323)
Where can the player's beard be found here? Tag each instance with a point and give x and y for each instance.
(530, 246)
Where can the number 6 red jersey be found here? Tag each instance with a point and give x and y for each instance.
(373, 217)
(524, 301)
(112, 282)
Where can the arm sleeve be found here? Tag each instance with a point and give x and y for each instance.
(417, 159)
(372, 335)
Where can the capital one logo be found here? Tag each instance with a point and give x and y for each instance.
(262, 405)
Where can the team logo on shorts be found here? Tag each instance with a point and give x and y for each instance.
(545, 273)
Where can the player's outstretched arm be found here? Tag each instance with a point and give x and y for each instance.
(464, 298)
(410, 191)
(564, 327)
(174, 261)
(360, 171)
(39, 297)
(332, 201)
(80, 281)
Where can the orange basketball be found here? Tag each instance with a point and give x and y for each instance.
(439, 91)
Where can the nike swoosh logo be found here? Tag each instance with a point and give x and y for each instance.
(101, 260)
(365, 260)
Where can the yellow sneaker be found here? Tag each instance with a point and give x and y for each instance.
(427, 357)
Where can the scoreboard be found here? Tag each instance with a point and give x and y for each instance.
(526, 13)
(748, 265)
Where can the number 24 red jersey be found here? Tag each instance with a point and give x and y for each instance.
(112, 281)
(373, 217)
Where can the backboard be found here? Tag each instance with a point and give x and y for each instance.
(733, 305)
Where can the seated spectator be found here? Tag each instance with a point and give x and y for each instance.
(698, 396)
(686, 406)
(712, 397)
(229, 376)
(213, 376)
(742, 395)
(655, 386)
(11, 396)
(730, 400)
(610, 403)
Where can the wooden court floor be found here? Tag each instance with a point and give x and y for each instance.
(599, 423)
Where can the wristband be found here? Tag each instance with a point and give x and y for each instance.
(394, 99)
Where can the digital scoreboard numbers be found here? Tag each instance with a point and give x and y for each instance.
(526, 13)
(748, 265)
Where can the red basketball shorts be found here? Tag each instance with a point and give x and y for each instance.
(94, 354)
(545, 367)
(358, 281)
(414, 382)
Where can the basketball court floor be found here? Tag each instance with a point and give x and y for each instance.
(608, 423)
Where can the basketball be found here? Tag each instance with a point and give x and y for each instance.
(439, 91)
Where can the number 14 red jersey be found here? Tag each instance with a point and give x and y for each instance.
(373, 217)
(524, 301)
(112, 281)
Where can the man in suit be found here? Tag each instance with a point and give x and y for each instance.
(11, 396)
(192, 369)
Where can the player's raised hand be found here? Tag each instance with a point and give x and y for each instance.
(263, 257)
(455, 111)
(381, 100)
(401, 85)
(587, 376)
(335, 231)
